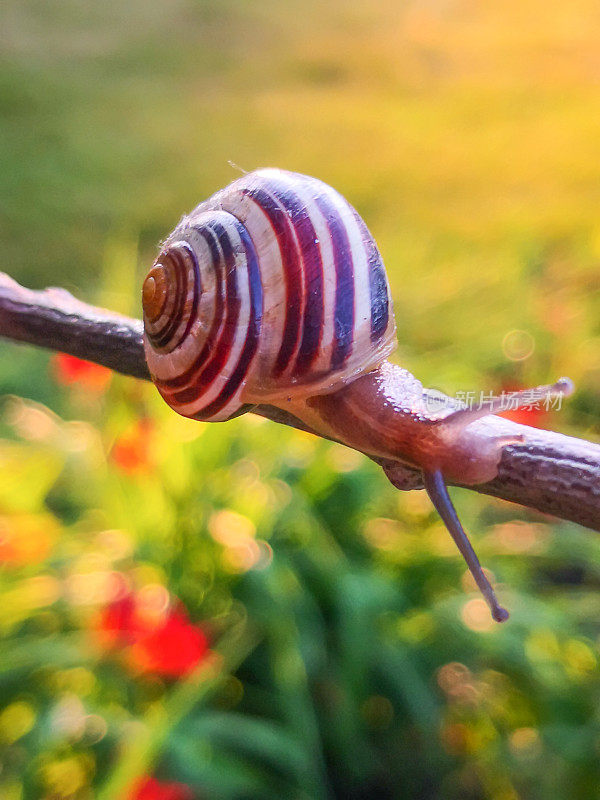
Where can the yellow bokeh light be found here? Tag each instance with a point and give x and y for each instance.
(518, 345)
(476, 615)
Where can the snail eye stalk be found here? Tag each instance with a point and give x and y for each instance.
(563, 387)
(438, 493)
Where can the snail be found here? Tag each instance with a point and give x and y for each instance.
(273, 292)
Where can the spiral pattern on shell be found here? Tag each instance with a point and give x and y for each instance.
(272, 289)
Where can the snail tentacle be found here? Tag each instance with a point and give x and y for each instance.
(510, 401)
(438, 493)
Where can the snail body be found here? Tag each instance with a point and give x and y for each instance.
(273, 292)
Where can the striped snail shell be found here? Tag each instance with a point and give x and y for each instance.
(272, 287)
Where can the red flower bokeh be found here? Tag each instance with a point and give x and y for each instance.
(132, 451)
(153, 789)
(527, 416)
(536, 415)
(174, 649)
(71, 371)
(165, 643)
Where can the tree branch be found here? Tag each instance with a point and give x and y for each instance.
(552, 473)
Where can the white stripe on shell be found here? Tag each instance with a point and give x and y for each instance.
(305, 193)
(255, 220)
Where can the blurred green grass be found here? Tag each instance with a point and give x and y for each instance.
(466, 136)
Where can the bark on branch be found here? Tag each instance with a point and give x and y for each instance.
(555, 474)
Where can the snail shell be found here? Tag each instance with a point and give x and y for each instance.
(271, 288)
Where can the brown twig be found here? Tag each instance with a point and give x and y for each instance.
(555, 474)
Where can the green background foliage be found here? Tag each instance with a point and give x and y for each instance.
(350, 656)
